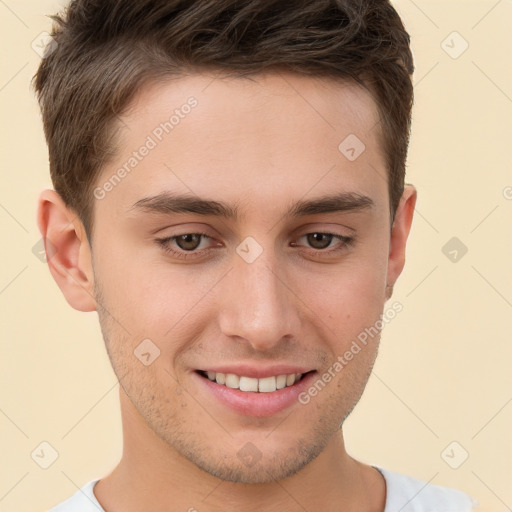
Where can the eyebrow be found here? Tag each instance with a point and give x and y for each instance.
(168, 203)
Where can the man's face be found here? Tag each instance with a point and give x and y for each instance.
(259, 294)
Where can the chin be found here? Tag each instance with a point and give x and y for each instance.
(252, 466)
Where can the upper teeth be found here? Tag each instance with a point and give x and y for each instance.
(265, 385)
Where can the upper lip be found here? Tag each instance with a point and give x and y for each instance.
(257, 372)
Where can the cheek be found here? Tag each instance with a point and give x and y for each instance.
(153, 299)
(348, 299)
(356, 284)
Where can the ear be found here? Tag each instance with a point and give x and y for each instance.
(68, 253)
(399, 234)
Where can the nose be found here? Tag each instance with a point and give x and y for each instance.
(257, 303)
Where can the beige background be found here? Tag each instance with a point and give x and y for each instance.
(444, 368)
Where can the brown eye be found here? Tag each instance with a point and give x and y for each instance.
(188, 242)
(188, 246)
(319, 240)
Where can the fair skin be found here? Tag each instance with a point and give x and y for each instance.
(258, 146)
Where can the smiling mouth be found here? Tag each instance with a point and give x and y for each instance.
(251, 384)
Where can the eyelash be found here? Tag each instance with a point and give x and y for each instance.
(346, 242)
(184, 255)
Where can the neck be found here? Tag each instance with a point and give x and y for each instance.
(151, 474)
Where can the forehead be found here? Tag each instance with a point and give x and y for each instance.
(271, 99)
(266, 136)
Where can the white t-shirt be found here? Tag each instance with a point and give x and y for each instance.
(403, 494)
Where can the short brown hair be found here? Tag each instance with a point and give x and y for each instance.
(104, 51)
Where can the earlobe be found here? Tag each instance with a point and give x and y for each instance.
(67, 250)
(399, 233)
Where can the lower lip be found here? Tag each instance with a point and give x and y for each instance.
(255, 404)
